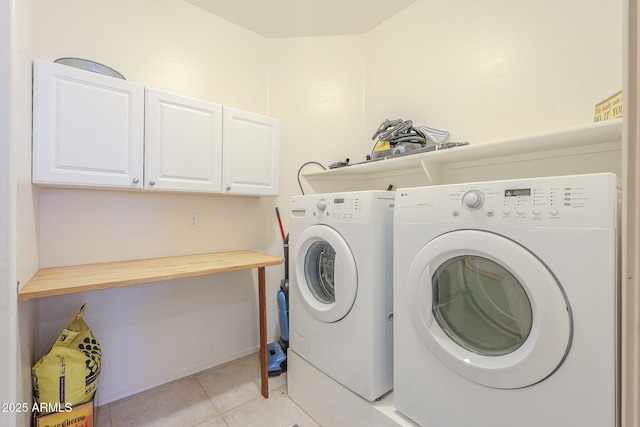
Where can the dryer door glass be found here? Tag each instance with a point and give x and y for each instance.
(319, 271)
(481, 306)
(488, 308)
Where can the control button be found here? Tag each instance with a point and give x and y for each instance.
(520, 212)
(536, 212)
(322, 204)
(473, 199)
(554, 212)
(490, 213)
(506, 212)
(455, 212)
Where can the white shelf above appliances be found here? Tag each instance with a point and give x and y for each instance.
(581, 149)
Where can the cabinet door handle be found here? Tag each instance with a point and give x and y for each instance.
(152, 182)
(228, 188)
(136, 180)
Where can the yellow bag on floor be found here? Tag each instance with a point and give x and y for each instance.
(69, 372)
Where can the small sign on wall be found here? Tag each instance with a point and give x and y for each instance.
(610, 108)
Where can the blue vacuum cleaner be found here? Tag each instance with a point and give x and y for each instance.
(277, 359)
(277, 350)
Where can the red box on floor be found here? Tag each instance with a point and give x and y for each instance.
(78, 416)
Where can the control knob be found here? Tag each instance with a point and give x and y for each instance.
(473, 199)
(322, 204)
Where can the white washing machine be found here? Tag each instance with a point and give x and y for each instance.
(506, 303)
(341, 295)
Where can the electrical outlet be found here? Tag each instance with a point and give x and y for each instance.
(193, 220)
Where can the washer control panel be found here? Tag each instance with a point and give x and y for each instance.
(559, 201)
(344, 207)
(354, 206)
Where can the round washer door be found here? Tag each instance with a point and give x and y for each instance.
(489, 309)
(326, 273)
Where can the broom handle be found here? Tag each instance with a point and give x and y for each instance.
(280, 223)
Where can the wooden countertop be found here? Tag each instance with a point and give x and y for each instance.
(91, 277)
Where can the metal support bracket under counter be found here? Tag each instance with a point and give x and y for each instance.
(54, 281)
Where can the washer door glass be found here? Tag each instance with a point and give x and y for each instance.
(488, 309)
(481, 306)
(326, 273)
(319, 271)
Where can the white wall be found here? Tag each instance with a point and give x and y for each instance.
(483, 71)
(21, 257)
(27, 195)
(7, 212)
(494, 69)
(316, 86)
(480, 72)
(164, 44)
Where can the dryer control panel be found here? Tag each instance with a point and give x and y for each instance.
(576, 200)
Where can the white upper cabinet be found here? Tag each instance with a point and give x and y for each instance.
(88, 128)
(92, 130)
(183, 143)
(250, 153)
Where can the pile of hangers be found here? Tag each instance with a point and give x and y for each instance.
(397, 131)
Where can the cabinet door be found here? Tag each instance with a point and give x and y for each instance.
(88, 128)
(183, 150)
(251, 153)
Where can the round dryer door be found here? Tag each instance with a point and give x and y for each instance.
(326, 273)
(489, 309)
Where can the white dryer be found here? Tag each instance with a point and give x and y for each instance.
(506, 303)
(341, 295)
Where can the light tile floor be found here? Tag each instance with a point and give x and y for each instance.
(224, 396)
